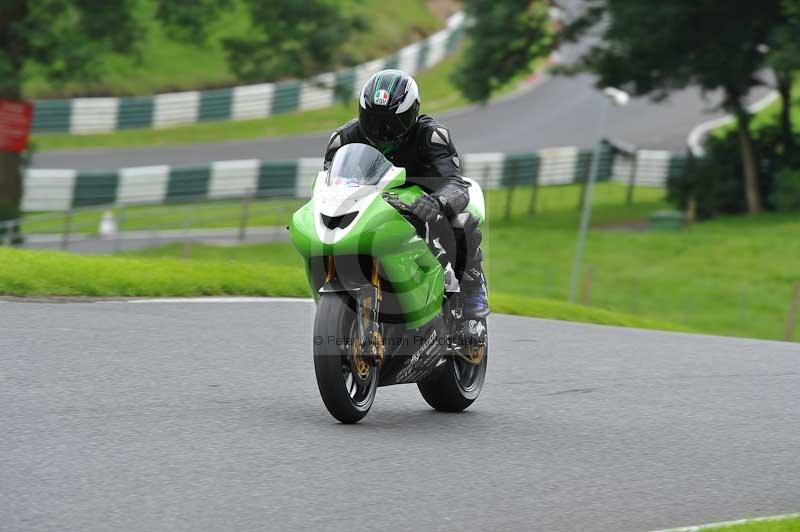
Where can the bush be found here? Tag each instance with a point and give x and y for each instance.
(786, 196)
(716, 182)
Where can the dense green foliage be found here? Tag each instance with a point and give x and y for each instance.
(653, 48)
(167, 59)
(786, 194)
(62, 39)
(290, 39)
(784, 58)
(504, 39)
(65, 40)
(716, 182)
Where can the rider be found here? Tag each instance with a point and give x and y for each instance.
(389, 120)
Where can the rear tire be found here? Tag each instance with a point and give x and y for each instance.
(347, 393)
(456, 385)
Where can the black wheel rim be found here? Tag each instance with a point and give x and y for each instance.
(468, 366)
(359, 378)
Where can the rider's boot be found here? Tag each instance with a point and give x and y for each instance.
(475, 303)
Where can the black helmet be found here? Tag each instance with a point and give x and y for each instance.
(388, 108)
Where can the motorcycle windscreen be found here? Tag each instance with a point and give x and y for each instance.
(355, 165)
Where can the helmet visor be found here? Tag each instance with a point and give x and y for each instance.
(384, 129)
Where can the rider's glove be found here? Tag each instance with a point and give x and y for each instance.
(425, 208)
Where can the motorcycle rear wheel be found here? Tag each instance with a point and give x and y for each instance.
(458, 382)
(346, 382)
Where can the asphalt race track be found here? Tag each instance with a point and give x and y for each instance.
(205, 416)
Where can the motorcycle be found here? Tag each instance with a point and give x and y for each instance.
(388, 309)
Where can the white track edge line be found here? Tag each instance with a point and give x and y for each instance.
(730, 523)
(695, 138)
(223, 300)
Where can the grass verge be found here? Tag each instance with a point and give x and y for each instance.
(51, 273)
(154, 273)
(768, 524)
(731, 276)
(506, 303)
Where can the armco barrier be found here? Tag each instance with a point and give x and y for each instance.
(102, 115)
(61, 190)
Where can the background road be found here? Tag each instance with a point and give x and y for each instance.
(197, 416)
(559, 111)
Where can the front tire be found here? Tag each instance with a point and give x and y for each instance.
(458, 382)
(346, 384)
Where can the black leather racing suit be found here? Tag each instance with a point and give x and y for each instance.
(427, 154)
(431, 161)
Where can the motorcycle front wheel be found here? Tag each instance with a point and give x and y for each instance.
(346, 381)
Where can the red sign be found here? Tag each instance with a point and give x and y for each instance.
(15, 125)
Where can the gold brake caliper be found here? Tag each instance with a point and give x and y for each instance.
(473, 354)
(360, 366)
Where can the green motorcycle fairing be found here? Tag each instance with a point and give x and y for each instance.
(376, 231)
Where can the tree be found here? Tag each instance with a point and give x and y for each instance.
(286, 38)
(504, 38)
(784, 58)
(69, 39)
(290, 39)
(63, 39)
(652, 48)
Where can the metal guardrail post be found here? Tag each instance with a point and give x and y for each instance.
(246, 200)
(67, 228)
(534, 193)
(8, 230)
(511, 185)
(154, 237)
(186, 223)
(120, 222)
(584, 180)
(632, 179)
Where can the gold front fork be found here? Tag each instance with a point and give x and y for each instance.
(330, 270)
(371, 311)
(376, 278)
